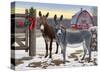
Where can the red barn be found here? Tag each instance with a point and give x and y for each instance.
(82, 20)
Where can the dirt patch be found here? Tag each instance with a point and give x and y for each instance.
(57, 62)
(95, 63)
(41, 55)
(45, 64)
(79, 51)
(86, 60)
(73, 55)
(18, 61)
(35, 64)
(76, 59)
(26, 58)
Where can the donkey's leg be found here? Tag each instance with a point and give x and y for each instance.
(46, 44)
(85, 50)
(64, 54)
(89, 50)
(50, 48)
(57, 48)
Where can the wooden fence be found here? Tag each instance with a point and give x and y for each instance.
(22, 36)
(19, 36)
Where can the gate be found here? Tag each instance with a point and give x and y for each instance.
(23, 31)
(19, 36)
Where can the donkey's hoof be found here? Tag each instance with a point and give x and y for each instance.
(56, 52)
(50, 56)
(64, 62)
(67, 61)
(89, 60)
(46, 56)
(82, 59)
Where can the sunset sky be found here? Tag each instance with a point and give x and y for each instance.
(67, 10)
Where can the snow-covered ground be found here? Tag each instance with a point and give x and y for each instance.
(73, 57)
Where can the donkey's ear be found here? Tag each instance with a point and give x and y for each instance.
(55, 17)
(61, 17)
(40, 14)
(47, 14)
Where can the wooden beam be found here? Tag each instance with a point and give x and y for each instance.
(20, 39)
(19, 48)
(32, 43)
(26, 41)
(19, 42)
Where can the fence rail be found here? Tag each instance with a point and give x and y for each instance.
(20, 36)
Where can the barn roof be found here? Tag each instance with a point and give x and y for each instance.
(75, 17)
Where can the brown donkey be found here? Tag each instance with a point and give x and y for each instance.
(47, 33)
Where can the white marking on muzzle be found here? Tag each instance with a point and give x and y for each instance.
(59, 32)
(42, 27)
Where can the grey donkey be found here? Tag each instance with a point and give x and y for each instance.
(66, 36)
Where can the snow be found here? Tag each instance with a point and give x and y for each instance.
(40, 46)
(40, 52)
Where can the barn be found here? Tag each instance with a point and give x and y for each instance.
(82, 20)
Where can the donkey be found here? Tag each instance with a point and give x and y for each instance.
(68, 36)
(47, 33)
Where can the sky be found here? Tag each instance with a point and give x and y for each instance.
(67, 10)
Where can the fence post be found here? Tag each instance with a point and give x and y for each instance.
(26, 39)
(32, 34)
(32, 42)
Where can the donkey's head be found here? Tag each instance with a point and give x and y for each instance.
(58, 25)
(60, 30)
(43, 20)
